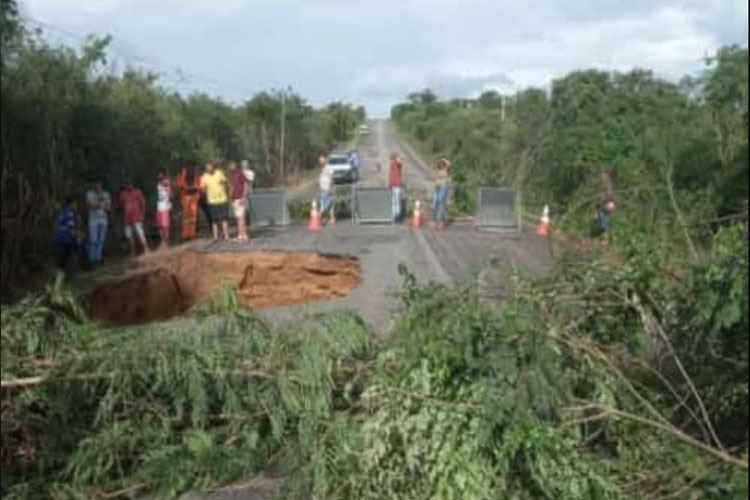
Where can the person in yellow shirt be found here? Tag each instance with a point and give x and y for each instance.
(214, 185)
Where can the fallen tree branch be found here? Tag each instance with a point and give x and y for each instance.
(674, 432)
(122, 492)
(25, 382)
(649, 319)
(22, 383)
(586, 420)
(18, 383)
(681, 400)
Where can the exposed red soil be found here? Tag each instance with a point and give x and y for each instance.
(168, 285)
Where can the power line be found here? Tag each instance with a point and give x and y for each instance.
(181, 74)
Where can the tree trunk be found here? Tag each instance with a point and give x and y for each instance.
(266, 153)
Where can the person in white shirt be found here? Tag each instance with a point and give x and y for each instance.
(248, 171)
(325, 181)
(99, 204)
(163, 207)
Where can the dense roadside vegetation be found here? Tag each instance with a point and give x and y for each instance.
(597, 383)
(678, 152)
(67, 120)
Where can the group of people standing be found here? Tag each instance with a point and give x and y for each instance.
(200, 188)
(441, 194)
(213, 191)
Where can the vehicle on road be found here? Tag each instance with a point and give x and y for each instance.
(364, 129)
(344, 169)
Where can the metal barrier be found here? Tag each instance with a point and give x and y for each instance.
(499, 208)
(268, 207)
(372, 205)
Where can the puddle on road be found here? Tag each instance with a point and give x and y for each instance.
(167, 286)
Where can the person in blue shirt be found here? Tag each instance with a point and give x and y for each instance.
(356, 163)
(68, 240)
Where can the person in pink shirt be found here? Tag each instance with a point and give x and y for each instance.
(133, 206)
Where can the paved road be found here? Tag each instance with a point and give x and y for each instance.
(375, 150)
(457, 254)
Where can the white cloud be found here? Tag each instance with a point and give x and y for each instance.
(376, 52)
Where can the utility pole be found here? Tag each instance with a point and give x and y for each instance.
(283, 132)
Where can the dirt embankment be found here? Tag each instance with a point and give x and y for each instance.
(169, 285)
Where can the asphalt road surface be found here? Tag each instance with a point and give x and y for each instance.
(458, 254)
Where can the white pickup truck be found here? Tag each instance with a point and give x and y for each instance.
(343, 168)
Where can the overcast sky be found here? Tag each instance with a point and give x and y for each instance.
(375, 52)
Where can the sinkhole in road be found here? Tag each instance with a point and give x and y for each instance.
(164, 286)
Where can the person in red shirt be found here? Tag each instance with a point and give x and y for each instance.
(133, 206)
(394, 180)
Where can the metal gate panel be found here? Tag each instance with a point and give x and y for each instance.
(268, 207)
(373, 205)
(499, 208)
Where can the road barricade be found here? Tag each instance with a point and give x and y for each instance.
(372, 205)
(499, 209)
(268, 207)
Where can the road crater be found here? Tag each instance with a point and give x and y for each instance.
(168, 285)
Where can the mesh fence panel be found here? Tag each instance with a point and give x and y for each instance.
(373, 204)
(268, 207)
(499, 208)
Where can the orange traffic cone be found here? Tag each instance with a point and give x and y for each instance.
(416, 220)
(315, 223)
(542, 229)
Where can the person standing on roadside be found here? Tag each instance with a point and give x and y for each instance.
(188, 182)
(214, 185)
(606, 205)
(202, 199)
(247, 170)
(163, 207)
(133, 206)
(99, 204)
(68, 238)
(325, 182)
(394, 179)
(442, 191)
(238, 193)
(356, 164)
